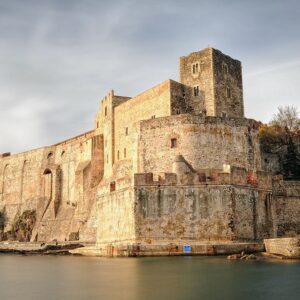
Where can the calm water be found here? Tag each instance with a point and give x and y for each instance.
(63, 278)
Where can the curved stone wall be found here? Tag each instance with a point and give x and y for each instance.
(205, 143)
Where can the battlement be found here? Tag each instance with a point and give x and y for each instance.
(229, 176)
(200, 119)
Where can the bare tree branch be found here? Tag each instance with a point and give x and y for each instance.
(287, 116)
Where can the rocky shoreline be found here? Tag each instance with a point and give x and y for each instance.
(39, 249)
(280, 248)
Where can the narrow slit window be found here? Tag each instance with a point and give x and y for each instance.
(112, 186)
(126, 131)
(118, 155)
(225, 68)
(196, 90)
(124, 152)
(228, 92)
(105, 111)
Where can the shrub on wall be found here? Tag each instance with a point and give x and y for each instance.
(281, 141)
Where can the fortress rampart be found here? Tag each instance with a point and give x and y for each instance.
(178, 163)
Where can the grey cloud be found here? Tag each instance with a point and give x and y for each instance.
(59, 58)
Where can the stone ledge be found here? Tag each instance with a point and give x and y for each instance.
(172, 249)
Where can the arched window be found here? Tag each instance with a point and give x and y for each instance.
(50, 155)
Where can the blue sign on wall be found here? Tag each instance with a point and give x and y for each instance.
(187, 249)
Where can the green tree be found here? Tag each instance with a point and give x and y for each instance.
(291, 162)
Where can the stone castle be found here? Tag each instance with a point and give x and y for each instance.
(177, 164)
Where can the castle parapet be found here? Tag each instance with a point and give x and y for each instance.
(236, 176)
(282, 188)
(161, 179)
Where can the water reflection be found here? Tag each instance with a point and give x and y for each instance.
(41, 277)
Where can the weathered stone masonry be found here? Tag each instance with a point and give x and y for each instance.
(178, 163)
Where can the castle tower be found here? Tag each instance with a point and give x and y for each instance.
(214, 83)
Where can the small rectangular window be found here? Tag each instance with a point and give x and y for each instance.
(178, 111)
(126, 131)
(124, 152)
(196, 90)
(153, 117)
(173, 143)
(105, 111)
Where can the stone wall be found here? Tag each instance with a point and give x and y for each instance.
(287, 207)
(206, 143)
(207, 211)
(219, 79)
(201, 213)
(153, 103)
(171, 208)
(116, 220)
(58, 183)
(202, 78)
(228, 85)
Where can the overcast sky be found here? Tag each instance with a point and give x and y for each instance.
(59, 58)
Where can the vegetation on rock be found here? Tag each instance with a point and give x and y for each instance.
(2, 223)
(23, 226)
(291, 162)
(281, 137)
